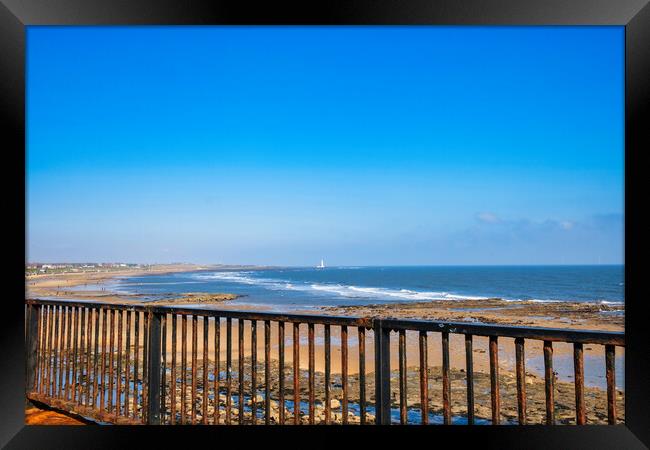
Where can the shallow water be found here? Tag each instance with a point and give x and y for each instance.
(594, 369)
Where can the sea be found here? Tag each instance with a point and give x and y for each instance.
(287, 288)
(284, 289)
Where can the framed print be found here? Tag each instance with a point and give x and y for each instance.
(375, 217)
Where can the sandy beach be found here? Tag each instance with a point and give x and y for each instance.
(537, 314)
(567, 315)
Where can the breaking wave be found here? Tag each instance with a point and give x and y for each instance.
(331, 289)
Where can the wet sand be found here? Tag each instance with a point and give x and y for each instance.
(567, 315)
(571, 315)
(555, 315)
(564, 315)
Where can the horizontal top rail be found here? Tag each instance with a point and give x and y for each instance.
(225, 313)
(507, 331)
(83, 304)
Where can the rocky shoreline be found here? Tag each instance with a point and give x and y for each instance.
(595, 399)
(577, 315)
(194, 298)
(566, 315)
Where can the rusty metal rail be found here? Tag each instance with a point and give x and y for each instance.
(120, 364)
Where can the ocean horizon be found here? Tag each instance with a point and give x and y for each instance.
(307, 287)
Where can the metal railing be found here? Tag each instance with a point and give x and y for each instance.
(122, 364)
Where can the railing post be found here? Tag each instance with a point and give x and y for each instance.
(31, 346)
(153, 367)
(42, 339)
(382, 373)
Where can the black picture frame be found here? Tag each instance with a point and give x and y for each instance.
(15, 15)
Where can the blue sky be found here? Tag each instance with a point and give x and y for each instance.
(361, 145)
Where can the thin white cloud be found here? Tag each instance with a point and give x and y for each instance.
(487, 217)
